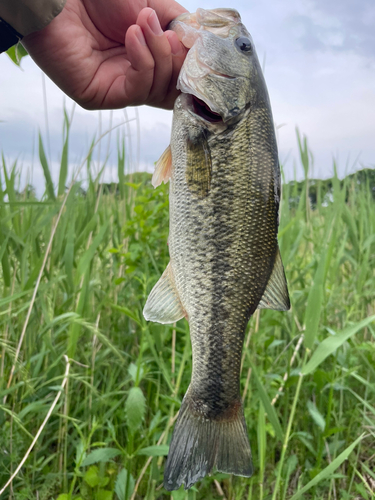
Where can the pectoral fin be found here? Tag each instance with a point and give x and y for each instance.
(163, 304)
(198, 165)
(163, 168)
(276, 294)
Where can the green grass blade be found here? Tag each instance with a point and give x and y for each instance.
(75, 329)
(262, 447)
(364, 402)
(64, 157)
(46, 170)
(132, 315)
(6, 266)
(11, 298)
(69, 253)
(329, 470)
(100, 455)
(270, 410)
(314, 304)
(330, 344)
(154, 451)
(121, 167)
(90, 252)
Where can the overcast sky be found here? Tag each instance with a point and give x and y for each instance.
(319, 58)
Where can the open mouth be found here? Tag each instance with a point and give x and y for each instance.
(201, 109)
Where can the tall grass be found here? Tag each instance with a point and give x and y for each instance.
(76, 269)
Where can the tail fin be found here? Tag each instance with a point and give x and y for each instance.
(199, 444)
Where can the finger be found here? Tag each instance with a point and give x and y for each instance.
(178, 56)
(140, 74)
(167, 10)
(160, 49)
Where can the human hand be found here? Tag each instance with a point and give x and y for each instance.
(112, 53)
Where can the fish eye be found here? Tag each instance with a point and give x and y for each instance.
(243, 43)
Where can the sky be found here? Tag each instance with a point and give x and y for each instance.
(319, 63)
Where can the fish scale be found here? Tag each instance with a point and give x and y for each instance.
(224, 258)
(229, 195)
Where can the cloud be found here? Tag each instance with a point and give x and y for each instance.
(317, 68)
(346, 26)
(307, 32)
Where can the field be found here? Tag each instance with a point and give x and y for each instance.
(89, 390)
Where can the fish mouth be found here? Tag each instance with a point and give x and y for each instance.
(201, 109)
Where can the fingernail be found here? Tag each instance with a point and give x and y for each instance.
(140, 36)
(175, 44)
(154, 24)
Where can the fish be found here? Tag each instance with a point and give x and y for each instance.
(224, 174)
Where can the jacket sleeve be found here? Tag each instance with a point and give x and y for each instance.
(19, 18)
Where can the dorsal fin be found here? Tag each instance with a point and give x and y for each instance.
(276, 294)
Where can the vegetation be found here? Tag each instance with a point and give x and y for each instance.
(81, 370)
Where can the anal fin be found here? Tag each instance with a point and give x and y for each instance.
(276, 294)
(163, 304)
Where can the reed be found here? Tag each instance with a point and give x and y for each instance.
(76, 268)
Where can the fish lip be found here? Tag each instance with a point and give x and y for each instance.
(222, 75)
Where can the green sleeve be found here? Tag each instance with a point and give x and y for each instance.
(22, 17)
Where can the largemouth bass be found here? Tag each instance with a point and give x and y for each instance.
(225, 263)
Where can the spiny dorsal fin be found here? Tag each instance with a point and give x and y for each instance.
(198, 166)
(163, 304)
(276, 294)
(163, 168)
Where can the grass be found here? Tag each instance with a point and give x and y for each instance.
(76, 269)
